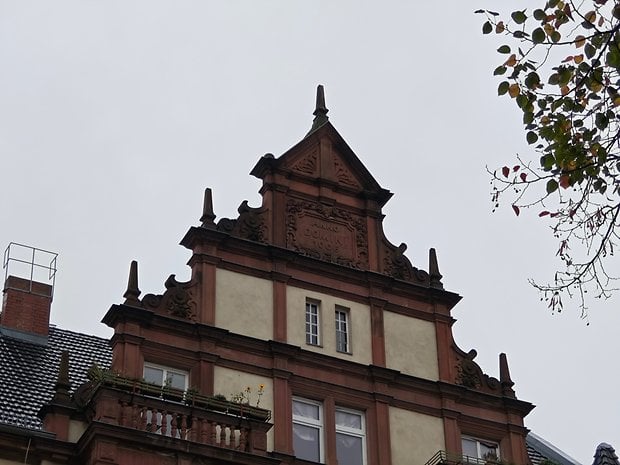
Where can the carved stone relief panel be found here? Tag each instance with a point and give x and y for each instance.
(343, 175)
(308, 163)
(327, 233)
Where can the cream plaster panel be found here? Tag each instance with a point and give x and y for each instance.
(76, 429)
(231, 382)
(244, 304)
(359, 324)
(9, 462)
(410, 345)
(414, 437)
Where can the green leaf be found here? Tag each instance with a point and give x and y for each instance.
(531, 137)
(519, 17)
(552, 186)
(538, 35)
(503, 88)
(532, 80)
(504, 49)
(540, 14)
(601, 121)
(499, 71)
(554, 79)
(487, 28)
(528, 117)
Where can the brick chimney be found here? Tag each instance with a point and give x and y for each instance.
(26, 306)
(30, 274)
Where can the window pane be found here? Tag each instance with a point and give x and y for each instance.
(349, 449)
(176, 380)
(348, 419)
(153, 375)
(306, 410)
(470, 447)
(306, 442)
(488, 451)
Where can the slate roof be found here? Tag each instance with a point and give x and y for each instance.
(541, 451)
(29, 370)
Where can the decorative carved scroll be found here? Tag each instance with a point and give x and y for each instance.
(250, 224)
(327, 233)
(397, 265)
(178, 300)
(470, 375)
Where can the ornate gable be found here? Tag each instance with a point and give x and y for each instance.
(320, 201)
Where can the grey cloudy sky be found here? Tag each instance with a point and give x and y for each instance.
(115, 115)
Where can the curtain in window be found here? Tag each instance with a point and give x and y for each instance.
(349, 449)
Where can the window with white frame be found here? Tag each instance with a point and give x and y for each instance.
(308, 429)
(350, 437)
(479, 450)
(165, 376)
(342, 330)
(313, 316)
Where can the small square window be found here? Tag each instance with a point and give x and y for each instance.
(479, 451)
(164, 376)
(342, 330)
(313, 323)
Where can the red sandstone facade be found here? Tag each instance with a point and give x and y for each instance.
(318, 232)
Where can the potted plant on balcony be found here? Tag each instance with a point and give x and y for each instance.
(169, 392)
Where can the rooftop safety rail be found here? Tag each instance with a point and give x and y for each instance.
(31, 264)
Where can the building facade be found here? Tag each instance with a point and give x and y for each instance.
(328, 345)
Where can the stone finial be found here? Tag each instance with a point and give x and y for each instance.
(504, 376)
(433, 270)
(320, 110)
(63, 385)
(208, 216)
(132, 293)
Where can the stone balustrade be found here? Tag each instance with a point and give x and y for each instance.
(178, 420)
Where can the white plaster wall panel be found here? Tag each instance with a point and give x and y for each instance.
(410, 345)
(244, 304)
(414, 437)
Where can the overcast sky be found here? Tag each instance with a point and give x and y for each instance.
(115, 115)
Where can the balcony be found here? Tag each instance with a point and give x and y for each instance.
(185, 416)
(443, 457)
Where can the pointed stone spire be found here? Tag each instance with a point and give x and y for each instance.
(504, 376)
(433, 270)
(320, 111)
(63, 385)
(132, 293)
(207, 210)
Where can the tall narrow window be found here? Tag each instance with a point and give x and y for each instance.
(350, 437)
(312, 323)
(342, 330)
(308, 430)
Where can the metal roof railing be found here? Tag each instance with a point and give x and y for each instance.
(32, 264)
